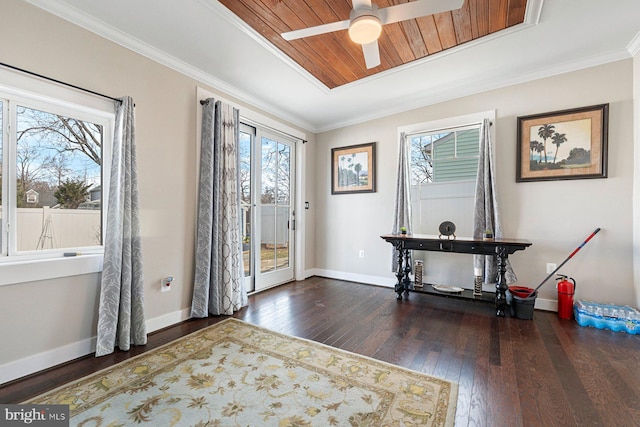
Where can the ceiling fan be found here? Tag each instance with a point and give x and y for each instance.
(366, 20)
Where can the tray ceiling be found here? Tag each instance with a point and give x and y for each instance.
(206, 41)
(335, 60)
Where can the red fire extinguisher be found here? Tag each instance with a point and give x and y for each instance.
(566, 290)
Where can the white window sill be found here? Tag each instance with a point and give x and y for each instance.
(44, 269)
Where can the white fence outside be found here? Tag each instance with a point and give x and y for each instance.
(431, 204)
(45, 228)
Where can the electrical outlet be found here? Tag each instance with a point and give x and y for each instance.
(361, 253)
(165, 284)
(551, 267)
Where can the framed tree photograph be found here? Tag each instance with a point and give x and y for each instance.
(568, 144)
(353, 169)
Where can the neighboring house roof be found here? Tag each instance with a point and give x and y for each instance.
(47, 199)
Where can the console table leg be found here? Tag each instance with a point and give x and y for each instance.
(407, 270)
(400, 274)
(501, 285)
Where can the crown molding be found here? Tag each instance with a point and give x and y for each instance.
(455, 91)
(89, 23)
(533, 11)
(634, 45)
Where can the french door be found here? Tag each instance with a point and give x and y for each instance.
(267, 204)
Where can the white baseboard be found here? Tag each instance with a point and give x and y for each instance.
(546, 304)
(38, 362)
(168, 319)
(388, 282)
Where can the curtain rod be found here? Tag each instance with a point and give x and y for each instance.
(59, 82)
(254, 123)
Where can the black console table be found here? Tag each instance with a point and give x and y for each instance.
(500, 248)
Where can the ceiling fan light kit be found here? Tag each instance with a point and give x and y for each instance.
(365, 29)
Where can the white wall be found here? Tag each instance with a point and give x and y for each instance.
(555, 216)
(51, 321)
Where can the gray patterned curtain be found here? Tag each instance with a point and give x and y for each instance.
(219, 277)
(402, 208)
(486, 215)
(121, 319)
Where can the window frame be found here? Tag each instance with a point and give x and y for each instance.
(18, 89)
(442, 189)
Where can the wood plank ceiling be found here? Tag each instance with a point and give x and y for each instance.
(335, 60)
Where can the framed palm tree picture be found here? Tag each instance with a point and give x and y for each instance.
(353, 169)
(568, 144)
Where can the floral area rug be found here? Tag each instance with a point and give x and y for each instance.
(237, 374)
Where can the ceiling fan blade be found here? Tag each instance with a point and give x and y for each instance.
(371, 54)
(314, 31)
(416, 9)
(360, 4)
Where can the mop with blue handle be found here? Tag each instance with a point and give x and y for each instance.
(565, 261)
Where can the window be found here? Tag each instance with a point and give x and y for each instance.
(52, 161)
(444, 164)
(445, 155)
(245, 147)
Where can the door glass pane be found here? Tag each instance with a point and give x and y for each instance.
(284, 173)
(269, 171)
(58, 181)
(268, 239)
(267, 199)
(275, 212)
(245, 199)
(245, 219)
(282, 237)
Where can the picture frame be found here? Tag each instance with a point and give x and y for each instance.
(353, 169)
(567, 144)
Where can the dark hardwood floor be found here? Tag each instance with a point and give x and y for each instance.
(511, 372)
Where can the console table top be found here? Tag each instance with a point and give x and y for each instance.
(431, 238)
